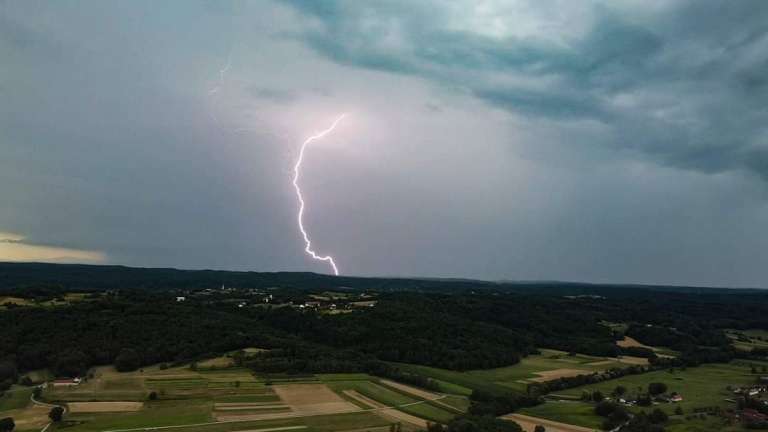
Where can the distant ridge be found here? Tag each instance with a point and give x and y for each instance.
(14, 276)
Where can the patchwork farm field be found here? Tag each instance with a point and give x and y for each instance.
(224, 399)
(233, 399)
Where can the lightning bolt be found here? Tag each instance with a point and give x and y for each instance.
(296, 175)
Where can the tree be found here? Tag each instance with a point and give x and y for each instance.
(657, 388)
(539, 428)
(152, 396)
(127, 361)
(679, 411)
(7, 424)
(597, 396)
(56, 414)
(644, 400)
(71, 363)
(8, 371)
(433, 427)
(605, 408)
(658, 416)
(619, 391)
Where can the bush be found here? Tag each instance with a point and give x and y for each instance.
(7, 424)
(657, 388)
(56, 414)
(605, 408)
(644, 400)
(658, 416)
(152, 396)
(597, 396)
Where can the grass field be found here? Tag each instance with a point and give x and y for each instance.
(518, 376)
(393, 397)
(374, 391)
(575, 413)
(15, 398)
(748, 339)
(511, 378)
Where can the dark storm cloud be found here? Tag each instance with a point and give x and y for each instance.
(542, 139)
(686, 86)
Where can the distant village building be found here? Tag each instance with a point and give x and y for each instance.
(67, 382)
(181, 299)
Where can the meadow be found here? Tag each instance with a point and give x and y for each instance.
(702, 387)
(549, 363)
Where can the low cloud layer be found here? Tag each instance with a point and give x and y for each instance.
(13, 248)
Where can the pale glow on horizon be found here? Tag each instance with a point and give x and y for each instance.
(14, 249)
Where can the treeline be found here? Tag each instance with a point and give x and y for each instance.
(453, 331)
(69, 340)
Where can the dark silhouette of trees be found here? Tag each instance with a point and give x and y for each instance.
(56, 414)
(128, 360)
(7, 424)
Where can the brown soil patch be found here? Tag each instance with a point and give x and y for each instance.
(385, 412)
(559, 373)
(218, 362)
(95, 407)
(601, 363)
(312, 399)
(529, 423)
(31, 417)
(628, 342)
(218, 407)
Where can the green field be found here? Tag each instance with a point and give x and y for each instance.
(510, 378)
(428, 412)
(186, 398)
(576, 413)
(394, 397)
(701, 387)
(748, 339)
(514, 376)
(15, 398)
(374, 391)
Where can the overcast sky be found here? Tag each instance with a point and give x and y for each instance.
(604, 141)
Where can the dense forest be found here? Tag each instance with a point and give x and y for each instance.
(447, 325)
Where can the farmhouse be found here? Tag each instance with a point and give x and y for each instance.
(66, 382)
(751, 416)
